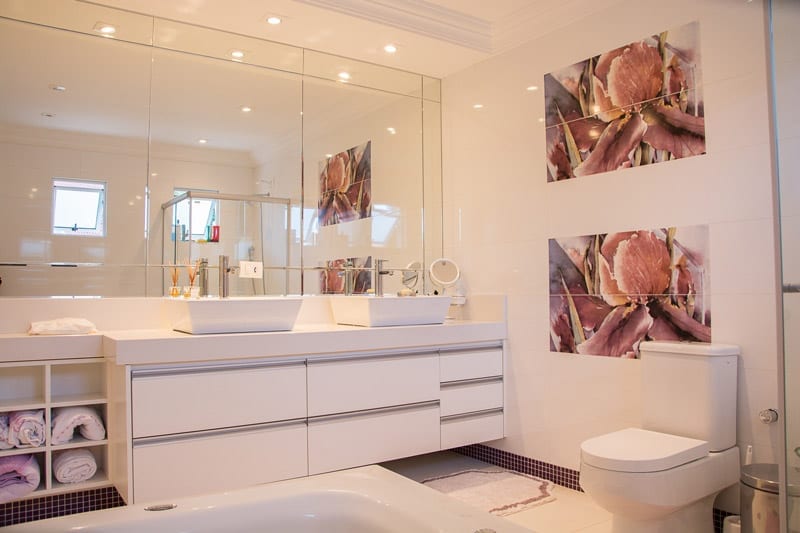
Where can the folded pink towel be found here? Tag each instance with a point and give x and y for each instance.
(19, 476)
(85, 419)
(74, 466)
(26, 428)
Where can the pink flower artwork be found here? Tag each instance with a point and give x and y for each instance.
(609, 292)
(345, 186)
(636, 105)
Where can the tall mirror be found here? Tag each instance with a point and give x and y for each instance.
(302, 161)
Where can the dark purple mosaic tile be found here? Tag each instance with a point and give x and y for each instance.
(59, 505)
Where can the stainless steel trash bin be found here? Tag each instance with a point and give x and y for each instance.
(760, 509)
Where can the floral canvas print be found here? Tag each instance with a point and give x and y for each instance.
(332, 279)
(345, 183)
(635, 105)
(609, 292)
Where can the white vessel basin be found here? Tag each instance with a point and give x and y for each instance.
(244, 314)
(369, 310)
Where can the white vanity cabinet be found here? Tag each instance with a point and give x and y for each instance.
(47, 385)
(198, 427)
(214, 427)
(471, 395)
(365, 409)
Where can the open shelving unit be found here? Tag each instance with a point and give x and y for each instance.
(49, 385)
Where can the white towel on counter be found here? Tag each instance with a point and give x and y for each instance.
(26, 428)
(4, 444)
(74, 466)
(62, 326)
(19, 476)
(85, 419)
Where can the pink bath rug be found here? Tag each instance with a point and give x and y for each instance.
(499, 492)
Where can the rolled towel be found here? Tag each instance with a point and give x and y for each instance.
(85, 419)
(74, 466)
(4, 443)
(19, 476)
(26, 428)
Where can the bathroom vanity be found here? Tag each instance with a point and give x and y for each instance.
(189, 414)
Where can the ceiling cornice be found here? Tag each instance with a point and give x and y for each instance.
(417, 16)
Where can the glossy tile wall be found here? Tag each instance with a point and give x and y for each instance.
(499, 212)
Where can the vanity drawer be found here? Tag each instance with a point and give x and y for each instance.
(470, 396)
(461, 430)
(196, 398)
(340, 385)
(214, 461)
(471, 364)
(345, 441)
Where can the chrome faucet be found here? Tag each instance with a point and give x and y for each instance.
(202, 274)
(349, 278)
(379, 273)
(224, 270)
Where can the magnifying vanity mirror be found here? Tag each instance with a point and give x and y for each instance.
(444, 273)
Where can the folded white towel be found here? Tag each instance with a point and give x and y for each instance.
(85, 419)
(74, 466)
(4, 443)
(26, 428)
(62, 326)
(19, 476)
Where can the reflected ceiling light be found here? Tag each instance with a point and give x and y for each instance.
(237, 54)
(202, 141)
(477, 106)
(57, 88)
(105, 29)
(532, 88)
(390, 48)
(344, 76)
(541, 119)
(131, 203)
(274, 20)
(34, 189)
(391, 130)
(328, 156)
(138, 197)
(246, 109)
(154, 174)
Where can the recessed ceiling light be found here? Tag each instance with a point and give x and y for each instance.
(274, 20)
(477, 106)
(154, 174)
(58, 88)
(541, 119)
(344, 76)
(34, 189)
(391, 130)
(246, 109)
(105, 29)
(328, 156)
(532, 88)
(390, 48)
(202, 141)
(237, 54)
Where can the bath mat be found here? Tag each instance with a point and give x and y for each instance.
(499, 492)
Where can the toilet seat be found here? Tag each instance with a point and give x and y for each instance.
(641, 450)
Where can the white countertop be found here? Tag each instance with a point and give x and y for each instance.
(148, 339)
(130, 347)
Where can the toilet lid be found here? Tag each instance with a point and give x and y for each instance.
(641, 450)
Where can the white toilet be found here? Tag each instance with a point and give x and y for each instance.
(664, 477)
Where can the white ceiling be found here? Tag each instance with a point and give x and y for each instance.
(434, 37)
